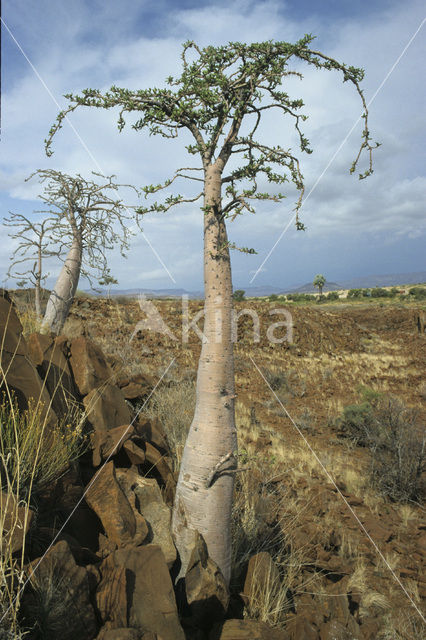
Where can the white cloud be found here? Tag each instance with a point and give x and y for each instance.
(71, 50)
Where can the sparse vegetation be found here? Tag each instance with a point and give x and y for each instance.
(391, 431)
(239, 295)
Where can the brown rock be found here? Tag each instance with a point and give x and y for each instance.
(21, 375)
(89, 366)
(106, 408)
(111, 595)
(109, 443)
(151, 600)
(135, 454)
(145, 497)
(152, 431)
(15, 519)
(206, 590)
(247, 630)
(64, 588)
(299, 628)
(137, 387)
(158, 463)
(121, 634)
(335, 630)
(105, 496)
(48, 353)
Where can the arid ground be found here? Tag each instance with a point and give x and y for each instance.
(310, 492)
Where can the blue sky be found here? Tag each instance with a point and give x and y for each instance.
(353, 228)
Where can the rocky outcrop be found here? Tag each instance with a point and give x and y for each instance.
(19, 374)
(107, 499)
(89, 365)
(106, 408)
(145, 495)
(206, 591)
(148, 601)
(248, 630)
(49, 354)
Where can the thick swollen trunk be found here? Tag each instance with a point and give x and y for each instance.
(61, 298)
(206, 481)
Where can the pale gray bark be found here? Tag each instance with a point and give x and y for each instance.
(62, 296)
(38, 283)
(205, 487)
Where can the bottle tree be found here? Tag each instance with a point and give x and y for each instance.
(85, 221)
(221, 98)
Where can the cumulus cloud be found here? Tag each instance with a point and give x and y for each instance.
(75, 45)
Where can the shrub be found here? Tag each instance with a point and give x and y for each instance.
(32, 454)
(398, 451)
(332, 295)
(355, 293)
(301, 297)
(419, 293)
(379, 292)
(273, 297)
(239, 295)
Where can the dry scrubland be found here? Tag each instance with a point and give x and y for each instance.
(370, 355)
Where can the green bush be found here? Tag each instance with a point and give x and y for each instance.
(33, 454)
(355, 293)
(379, 292)
(390, 430)
(419, 293)
(301, 297)
(332, 295)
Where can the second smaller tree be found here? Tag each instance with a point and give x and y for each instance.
(88, 222)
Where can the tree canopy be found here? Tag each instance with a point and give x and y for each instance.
(217, 89)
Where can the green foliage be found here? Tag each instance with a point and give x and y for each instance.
(273, 297)
(33, 454)
(319, 281)
(418, 293)
(355, 293)
(301, 297)
(239, 295)
(332, 295)
(379, 292)
(217, 89)
(391, 431)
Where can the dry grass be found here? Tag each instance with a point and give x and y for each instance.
(174, 407)
(32, 455)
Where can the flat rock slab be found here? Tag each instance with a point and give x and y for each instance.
(107, 499)
(151, 599)
(106, 408)
(247, 630)
(89, 365)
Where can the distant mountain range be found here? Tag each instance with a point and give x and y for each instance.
(363, 282)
